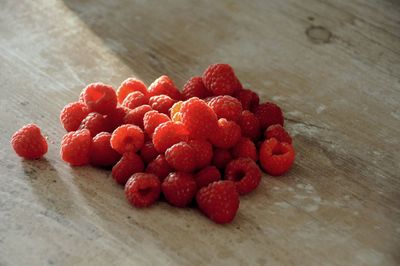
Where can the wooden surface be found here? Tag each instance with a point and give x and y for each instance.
(334, 67)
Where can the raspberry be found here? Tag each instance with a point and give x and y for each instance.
(167, 134)
(130, 85)
(29, 143)
(95, 123)
(206, 176)
(220, 79)
(182, 157)
(276, 157)
(135, 99)
(245, 173)
(135, 116)
(227, 134)
(129, 164)
(159, 167)
(100, 98)
(250, 125)
(101, 153)
(219, 201)
(194, 87)
(203, 152)
(248, 98)
(221, 158)
(199, 119)
(175, 112)
(72, 115)
(142, 189)
(245, 148)
(226, 106)
(278, 132)
(127, 138)
(179, 189)
(164, 85)
(153, 119)
(148, 152)
(116, 117)
(161, 103)
(268, 114)
(75, 147)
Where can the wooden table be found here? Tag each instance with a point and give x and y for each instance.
(334, 67)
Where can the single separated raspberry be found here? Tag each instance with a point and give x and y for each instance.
(135, 99)
(226, 106)
(75, 147)
(72, 115)
(276, 157)
(221, 158)
(203, 152)
(135, 116)
(199, 119)
(219, 201)
(116, 117)
(142, 189)
(148, 152)
(182, 157)
(168, 134)
(161, 103)
(153, 119)
(245, 173)
(220, 79)
(129, 164)
(130, 85)
(268, 114)
(206, 176)
(29, 143)
(250, 125)
(245, 148)
(194, 87)
(278, 132)
(164, 85)
(127, 138)
(95, 123)
(100, 98)
(101, 153)
(179, 189)
(160, 167)
(248, 98)
(227, 134)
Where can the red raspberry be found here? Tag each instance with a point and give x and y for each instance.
(135, 116)
(100, 98)
(153, 119)
(142, 189)
(245, 173)
(29, 143)
(219, 201)
(135, 99)
(116, 117)
(226, 106)
(221, 158)
(75, 147)
(203, 152)
(194, 87)
(159, 167)
(199, 119)
(227, 134)
(268, 114)
(250, 125)
(164, 85)
(276, 157)
(161, 103)
(148, 152)
(179, 189)
(129, 164)
(248, 98)
(206, 176)
(127, 138)
(182, 157)
(167, 134)
(245, 148)
(101, 153)
(72, 115)
(278, 132)
(220, 79)
(130, 85)
(95, 123)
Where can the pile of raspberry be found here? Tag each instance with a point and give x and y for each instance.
(200, 147)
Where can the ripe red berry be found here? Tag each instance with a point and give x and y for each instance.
(220, 79)
(72, 115)
(127, 138)
(75, 147)
(219, 201)
(248, 98)
(161, 103)
(182, 157)
(95, 123)
(142, 189)
(116, 117)
(153, 119)
(268, 114)
(135, 99)
(276, 157)
(164, 85)
(159, 167)
(221, 158)
(167, 134)
(245, 148)
(227, 134)
(130, 85)
(250, 125)
(226, 106)
(203, 152)
(245, 173)
(101, 153)
(135, 116)
(29, 143)
(179, 188)
(278, 132)
(129, 164)
(148, 152)
(100, 98)
(206, 176)
(194, 87)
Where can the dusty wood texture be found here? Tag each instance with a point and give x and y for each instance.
(333, 66)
